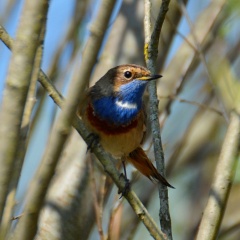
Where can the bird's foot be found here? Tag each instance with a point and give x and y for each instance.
(127, 186)
(93, 140)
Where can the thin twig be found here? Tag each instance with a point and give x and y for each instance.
(173, 97)
(186, 58)
(17, 217)
(96, 202)
(201, 54)
(151, 52)
(182, 35)
(179, 146)
(168, 33)
(114, 220)
(228, 231)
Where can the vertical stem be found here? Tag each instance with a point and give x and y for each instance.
(23, 139)
(16, 89)
(151, 53)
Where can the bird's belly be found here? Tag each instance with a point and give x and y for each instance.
(123, 143)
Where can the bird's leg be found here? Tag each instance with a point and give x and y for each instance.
(127, 182)
(93, 140)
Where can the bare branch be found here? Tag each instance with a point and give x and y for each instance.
(151, 52)
(97, 205)
(200, 105)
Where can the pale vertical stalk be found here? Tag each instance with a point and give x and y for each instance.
(147, 23)
(16, 89)
(151, 53)
(31, 99)
(222, 182)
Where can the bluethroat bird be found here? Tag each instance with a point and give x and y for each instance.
(114, 111)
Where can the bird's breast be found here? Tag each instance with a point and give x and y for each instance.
(119, 140)
(116, 111)
(106, 126)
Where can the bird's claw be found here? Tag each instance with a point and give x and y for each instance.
(126, 188)
(93, 140)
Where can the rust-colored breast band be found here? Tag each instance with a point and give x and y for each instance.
(104, 126)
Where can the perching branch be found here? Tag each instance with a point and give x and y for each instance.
(151, 52)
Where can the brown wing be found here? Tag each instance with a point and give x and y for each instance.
(141, 162)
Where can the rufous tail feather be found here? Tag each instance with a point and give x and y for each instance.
(140, 161)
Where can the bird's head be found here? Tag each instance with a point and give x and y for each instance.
(125, 81)
(117, 96)
(131, 79)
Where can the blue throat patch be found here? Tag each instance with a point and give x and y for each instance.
(124, 107)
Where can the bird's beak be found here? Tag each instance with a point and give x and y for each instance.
(149, 78)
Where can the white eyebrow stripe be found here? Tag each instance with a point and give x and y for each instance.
(126, 105)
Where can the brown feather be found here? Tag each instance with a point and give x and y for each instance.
(140, 161)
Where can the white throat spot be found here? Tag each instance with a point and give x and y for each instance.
(126, 105)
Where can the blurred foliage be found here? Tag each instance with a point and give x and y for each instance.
(196, 96)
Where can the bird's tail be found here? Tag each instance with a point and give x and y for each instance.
(139, 160)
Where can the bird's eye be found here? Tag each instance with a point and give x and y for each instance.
(128, 74)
